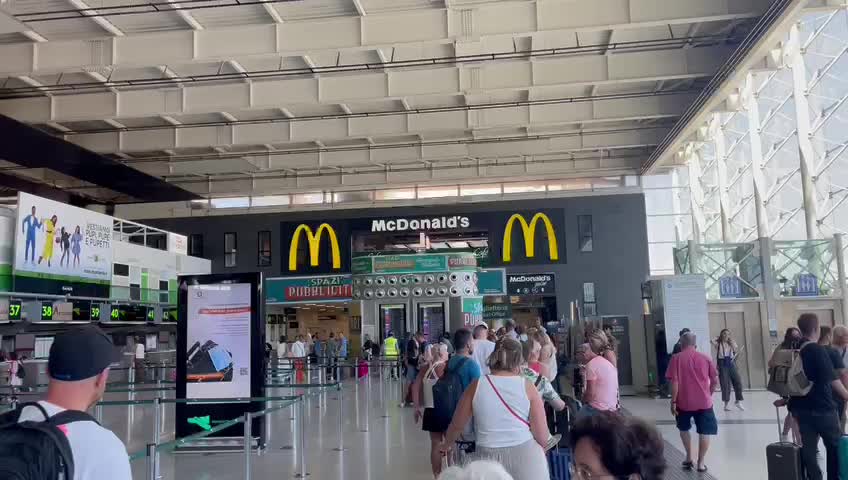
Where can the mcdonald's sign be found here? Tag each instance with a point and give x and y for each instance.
(529, 233)
(314, 241)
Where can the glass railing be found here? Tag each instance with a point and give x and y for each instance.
(730, 270)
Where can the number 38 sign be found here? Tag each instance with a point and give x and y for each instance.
(47, 310)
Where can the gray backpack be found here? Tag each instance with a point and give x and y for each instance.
(786, 375)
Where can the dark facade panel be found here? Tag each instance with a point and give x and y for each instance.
(617, 264)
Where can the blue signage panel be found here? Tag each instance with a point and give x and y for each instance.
(730, 287)
(807, 285)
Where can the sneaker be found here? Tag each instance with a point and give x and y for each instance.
(740, 406)
(726, 407)
(553, 441)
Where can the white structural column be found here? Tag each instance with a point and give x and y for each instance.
(717, 131)
(696, 192)
(757, 162)
(795, 59)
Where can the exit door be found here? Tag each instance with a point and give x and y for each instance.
(430, 320)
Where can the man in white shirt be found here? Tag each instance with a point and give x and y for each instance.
(298, 349)
(78, 368)
(483, 348)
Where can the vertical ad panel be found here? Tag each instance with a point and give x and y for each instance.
(218, 341)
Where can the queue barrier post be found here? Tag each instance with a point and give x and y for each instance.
(301, 439)
(151, 461)
(248, 440)
(157, 420)
(340, 448)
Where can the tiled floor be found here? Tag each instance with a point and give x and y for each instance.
(395, 447)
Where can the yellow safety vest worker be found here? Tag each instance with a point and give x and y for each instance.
(391, 347)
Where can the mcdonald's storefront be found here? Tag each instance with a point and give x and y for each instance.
(442, 267)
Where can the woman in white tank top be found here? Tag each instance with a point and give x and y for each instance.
(509, 417)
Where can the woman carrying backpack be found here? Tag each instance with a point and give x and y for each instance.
(509, 417)
(433, 367)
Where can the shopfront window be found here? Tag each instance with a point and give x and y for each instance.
(230, 243)
(584, 232)
(264, 248)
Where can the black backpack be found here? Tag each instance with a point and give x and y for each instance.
(446, 394)
(33, 450)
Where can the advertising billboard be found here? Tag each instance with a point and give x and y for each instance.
(218, 341)
(308, 289)
(55, 241)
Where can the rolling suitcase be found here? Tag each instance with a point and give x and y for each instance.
(842, 452)
(783, 459)
(559, 463)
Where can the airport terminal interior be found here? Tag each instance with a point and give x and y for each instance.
(261, 202)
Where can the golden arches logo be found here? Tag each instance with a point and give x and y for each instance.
(529, 231)
(314, 240)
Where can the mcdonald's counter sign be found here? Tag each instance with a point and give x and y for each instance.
(319, 247)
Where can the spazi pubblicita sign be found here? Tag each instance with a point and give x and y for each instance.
(308, 289)
(59, 242)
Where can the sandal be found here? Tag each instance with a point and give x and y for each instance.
(688, 465)
(702, 469)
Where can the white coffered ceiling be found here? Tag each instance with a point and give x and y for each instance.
(250, 97)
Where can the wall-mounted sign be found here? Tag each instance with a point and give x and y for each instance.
(806, 285)
(115, 313)
(496, 311)
(46, 311)
(528, 231)
(472, 311)
(94, 313)
(60, 243)
(420, 224)
(308, 289)
(361, 265)
(421, 263)
(314, 242)
(14, 309)
(491, 282)
(531, 284)
(730, 286)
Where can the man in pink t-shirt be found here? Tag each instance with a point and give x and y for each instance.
(601, 376)
(693, 379)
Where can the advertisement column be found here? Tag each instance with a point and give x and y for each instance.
(220, 352)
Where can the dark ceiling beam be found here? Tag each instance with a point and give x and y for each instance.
(32, 148)
(43, 190)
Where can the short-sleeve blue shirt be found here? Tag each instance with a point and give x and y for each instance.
(468, 371)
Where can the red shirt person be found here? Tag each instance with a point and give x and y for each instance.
(694, 378)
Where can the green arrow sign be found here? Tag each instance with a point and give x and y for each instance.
(202, 422)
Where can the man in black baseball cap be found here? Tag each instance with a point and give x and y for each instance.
(79, 368)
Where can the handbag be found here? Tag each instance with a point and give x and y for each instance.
(430, 379)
